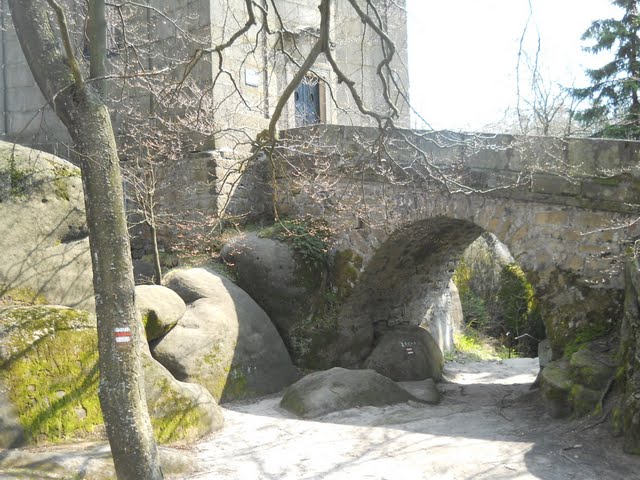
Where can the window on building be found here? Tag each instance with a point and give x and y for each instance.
(307, 102)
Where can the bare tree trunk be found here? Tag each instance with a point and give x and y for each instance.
(120, 335)
(157, 267)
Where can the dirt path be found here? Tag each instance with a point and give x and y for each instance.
(488, 426)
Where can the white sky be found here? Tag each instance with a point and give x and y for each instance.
(463, 53)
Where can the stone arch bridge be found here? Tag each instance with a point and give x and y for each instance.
(409, 204)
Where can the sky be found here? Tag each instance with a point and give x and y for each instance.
(463, 54)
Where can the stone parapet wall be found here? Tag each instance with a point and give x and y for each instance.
(579, 172)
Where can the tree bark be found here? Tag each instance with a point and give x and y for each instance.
(120, 333)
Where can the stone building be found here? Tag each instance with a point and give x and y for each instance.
(242, 91)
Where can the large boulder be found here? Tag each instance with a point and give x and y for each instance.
(270, 272)
(44, 245)
(160, 309)
(224, 341)
(339, 389)
(556, 385)
(291, 291)
(407, 353)
(49, 381)
(577, 383)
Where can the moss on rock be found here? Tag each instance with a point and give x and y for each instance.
(49, 371)
(180, 412)
(590, 369)
(583, 400)
(49, 364)
(20, 296)
(556, 386)
(346, 270)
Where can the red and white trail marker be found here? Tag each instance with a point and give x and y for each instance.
(122, 335)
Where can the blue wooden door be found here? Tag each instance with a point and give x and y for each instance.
(307, 101)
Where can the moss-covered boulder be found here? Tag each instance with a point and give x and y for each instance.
(180, 412)
(44, 245)
(160, 309)
(407, 353)
(581, 314)
(556, 385)
(576, 384)
(591, 367)
(339, 389)
(224, 341)
(49, 379)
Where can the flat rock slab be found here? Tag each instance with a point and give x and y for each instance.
(424, 391)
(340, 389)
(83, 460)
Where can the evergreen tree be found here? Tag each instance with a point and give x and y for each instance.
(614, 109)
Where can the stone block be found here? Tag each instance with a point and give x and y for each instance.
(556, 385)
(596, 157)
(583, 400)
(545, 354)
(552, 218)
(538, 154)
(591, 369)
(554, 185)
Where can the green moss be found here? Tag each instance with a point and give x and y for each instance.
(60, 180)
(51, 369)
(472, 345)
(609, 181)
(556, 388)
(229, 382)
(236, 386)
(215, 362)
(617, 420)
(583, 400)
(173, 416)
(19, 180)
(20, 296)
(308, 239)
(584, 335)
(346, 270)
(310, 339)
(153, 327)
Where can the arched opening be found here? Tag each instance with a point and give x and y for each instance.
(501, 315)
(406, 289)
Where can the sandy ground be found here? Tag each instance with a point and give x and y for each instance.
(488, 426)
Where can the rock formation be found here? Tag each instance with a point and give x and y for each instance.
(224, 341)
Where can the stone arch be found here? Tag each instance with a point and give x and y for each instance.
(406, 280)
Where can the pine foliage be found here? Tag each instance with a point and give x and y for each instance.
(614, 109)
